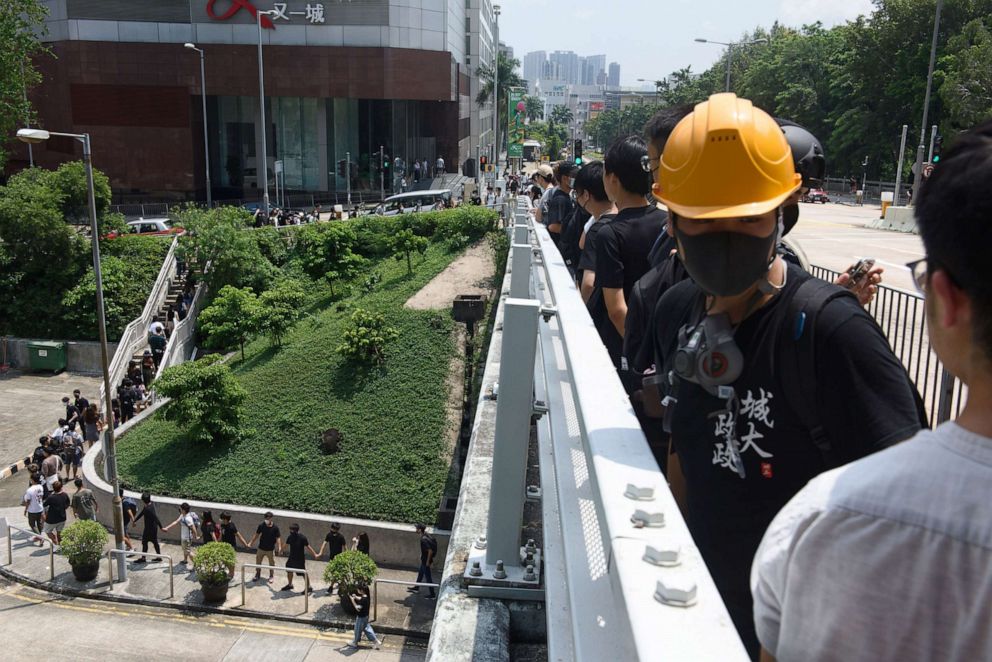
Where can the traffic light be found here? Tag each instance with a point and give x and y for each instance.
(385, 161)
(938, 142)
(578, 152)
(483, 160)
(341, 164)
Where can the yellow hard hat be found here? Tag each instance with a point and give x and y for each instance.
(726, 159)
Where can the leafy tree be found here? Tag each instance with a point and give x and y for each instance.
(231, 318)
(22, 22)
(404, 244)
(206, 399)
(533, 108)
(966, 85)
(509, 77)
(79, 303)
(561, 114)
(280, 308)
(365, 340)
(217, 238)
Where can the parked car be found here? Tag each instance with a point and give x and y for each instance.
(405, 203)
(149, 226)
(816, 195)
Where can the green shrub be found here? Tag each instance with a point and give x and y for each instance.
(213, 563)
(206, 399)
(83, 542)
(231, 318)
(404, 244)
(280, 308)
(350, 569)
(366, 339)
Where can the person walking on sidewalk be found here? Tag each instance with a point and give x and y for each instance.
(360, 601)
(34, 508)
(267, 535)
(129, 508)
(152, 525)
(187, 530)
(84, 505)
(56, 505)
(298, 545)
(334, 542)
(428, 548)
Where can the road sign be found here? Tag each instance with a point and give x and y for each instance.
(927, 170)
(278, 165)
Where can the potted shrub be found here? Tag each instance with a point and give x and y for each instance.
(82, 544)
(349, 570)
(213, 564)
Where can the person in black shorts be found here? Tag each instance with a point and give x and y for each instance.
(298, 546)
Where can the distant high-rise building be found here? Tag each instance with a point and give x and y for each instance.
(534, 65)
(593, 65)
(613, 77)
(506, 51)
(568, 63)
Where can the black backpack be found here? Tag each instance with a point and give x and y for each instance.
(432, 543)
(637, 348)
(796, 337)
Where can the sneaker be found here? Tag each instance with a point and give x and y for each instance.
(377, 644)
(287, 587)
(309, 589)
(141, 560)
(413, 589)
(257, 577)
(432, 597)
(351, 645)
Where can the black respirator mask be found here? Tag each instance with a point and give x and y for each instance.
(727, 263)
(707, 354)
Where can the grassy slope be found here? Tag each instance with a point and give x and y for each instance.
(390, 465)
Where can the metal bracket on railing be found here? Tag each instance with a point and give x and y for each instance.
(539, 409)
(36, 536)
(547, 312)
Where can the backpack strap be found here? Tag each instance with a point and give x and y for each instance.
(797, 357)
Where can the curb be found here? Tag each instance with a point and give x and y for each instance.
(12, 469)
(204, 609)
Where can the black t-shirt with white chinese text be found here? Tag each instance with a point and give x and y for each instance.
(865, 403)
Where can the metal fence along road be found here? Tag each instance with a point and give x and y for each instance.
(902, 316)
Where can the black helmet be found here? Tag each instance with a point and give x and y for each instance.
(807, 153)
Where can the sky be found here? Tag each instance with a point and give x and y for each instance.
(652, 38)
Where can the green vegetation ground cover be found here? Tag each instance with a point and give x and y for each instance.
(392, 463)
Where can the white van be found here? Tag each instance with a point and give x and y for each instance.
(405, 203)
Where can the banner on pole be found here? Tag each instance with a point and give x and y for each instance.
(515, 123)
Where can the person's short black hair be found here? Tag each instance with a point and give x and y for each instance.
(78, 482)
(660, 126)
(954, 216)
(267, 515)
(589, 180)
(335, 526)
(36, 477)
(146, 497)
(623, 159)
(120, 492)
(43, 439)
(225, 515)
(420, 527)
(565, 169)
(65, 398)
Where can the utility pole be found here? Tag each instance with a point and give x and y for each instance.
(933, 138)
(347, 175)
(496, 10)
(864, 179)
(918, 168)
(382, 175)
(263, 169)
(902, 156)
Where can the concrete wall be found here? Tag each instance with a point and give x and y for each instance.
(82, 356)
(391, 543)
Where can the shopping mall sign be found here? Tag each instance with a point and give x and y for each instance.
(312, 13)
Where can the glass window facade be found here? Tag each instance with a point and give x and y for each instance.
(312, 138)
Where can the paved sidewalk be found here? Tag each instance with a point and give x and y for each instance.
(399, 611)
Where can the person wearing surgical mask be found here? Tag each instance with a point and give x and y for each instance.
(741, 435)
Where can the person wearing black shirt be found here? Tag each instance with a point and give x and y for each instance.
(743, 446)
(80, 403)
(71, 413)
(360, 601)
(267, 535)
(622, 246)
(560, 206)
(56, 504)
(333, 541)
(298, 546)
(152, 525)
(590, 196)
(428, 547)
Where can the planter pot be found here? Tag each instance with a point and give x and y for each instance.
(214, 593)
(85, 572)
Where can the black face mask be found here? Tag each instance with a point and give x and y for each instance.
(725, 263)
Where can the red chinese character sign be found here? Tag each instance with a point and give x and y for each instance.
(313, 13)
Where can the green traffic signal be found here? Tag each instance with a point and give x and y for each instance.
(936, 158)
(578, 160)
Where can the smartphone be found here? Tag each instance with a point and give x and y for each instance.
(860, 270)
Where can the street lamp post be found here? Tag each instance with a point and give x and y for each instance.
(203, 97)
(34, 136)
(496, 11)
(264, 170)
(657, 89)
(730, 50)
(918, 171)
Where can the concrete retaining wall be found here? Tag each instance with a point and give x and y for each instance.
(391, 543)
(82, 356)
(900, 219)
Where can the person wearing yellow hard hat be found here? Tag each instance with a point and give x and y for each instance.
(771, 376)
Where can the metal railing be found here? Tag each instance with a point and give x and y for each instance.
(134, 336)
(611, 527)
(296, 571)
(125, 553)
(902, 316)
(31, 536)
(375, 591)
(182, 341)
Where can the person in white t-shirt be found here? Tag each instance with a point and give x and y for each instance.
(188, 530)
(33, 506)
(890, 557)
